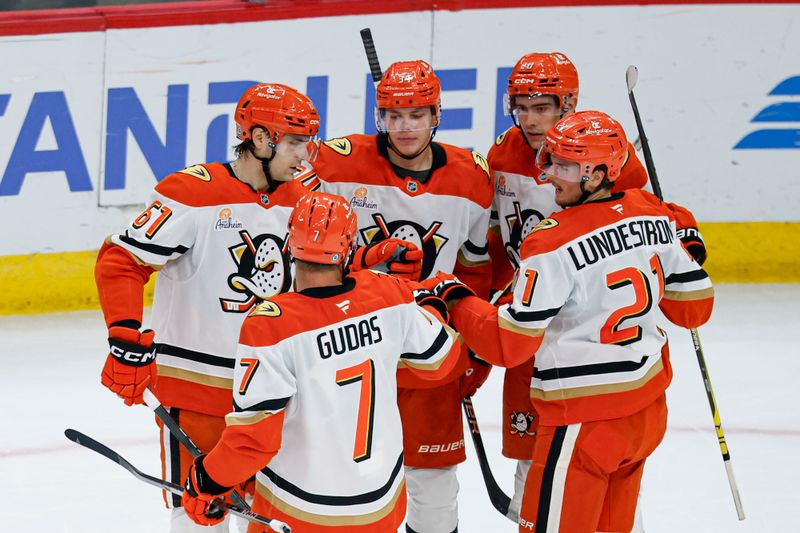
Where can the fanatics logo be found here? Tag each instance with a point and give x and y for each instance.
(343, 306)
(226, 221)
(617, 208)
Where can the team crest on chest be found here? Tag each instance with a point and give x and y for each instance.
(521, 424)
(426, 239)
(521, 223)
(263, 271)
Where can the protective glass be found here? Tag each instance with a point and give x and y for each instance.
(555, 167)
(298, 146)
(405, 119)
(537, 105)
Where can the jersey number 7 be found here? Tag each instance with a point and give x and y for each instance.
(363, 372)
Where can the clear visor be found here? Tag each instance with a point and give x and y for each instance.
(538, 105)
(300, 147)
(555, 167)
(406, 119)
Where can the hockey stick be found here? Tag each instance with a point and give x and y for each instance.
(631, 76)
(108, 453)
(499, 499)
(153, 403)
(372, 55)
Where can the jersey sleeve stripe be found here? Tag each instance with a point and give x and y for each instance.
(198, 357)
(588, 370)
(532, 316)
(151, 248)
(475, 249)
(324, 499)
(434, 349)
(241, 419)
(684, 296)
(686, 277)
(510, 326)
(273, 405)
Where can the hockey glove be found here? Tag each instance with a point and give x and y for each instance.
(130, 366)
(693, 242)
(399, 258)
(448, 287)
(475, 375)
(200, 495)
(433, 303)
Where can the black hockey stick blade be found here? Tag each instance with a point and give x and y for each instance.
(152, 401)
(372, 55)
(98, 447)
(499, 499)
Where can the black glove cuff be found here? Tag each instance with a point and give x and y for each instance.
(131, 354)
(204, 482)
(426, 298)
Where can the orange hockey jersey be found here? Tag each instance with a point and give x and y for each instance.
(220, 248)
(325, 383)
(592, 276)
(446, 215)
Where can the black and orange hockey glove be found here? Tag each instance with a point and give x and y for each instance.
(130, 366)
(201, 493)
(399, 258)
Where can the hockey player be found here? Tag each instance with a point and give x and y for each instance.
(542, 89)
(584, 303)
(216, 234)
(316, 392)
(402, 184)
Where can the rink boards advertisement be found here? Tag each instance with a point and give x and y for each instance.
(91, 120)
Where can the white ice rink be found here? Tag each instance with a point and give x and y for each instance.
(50, 381)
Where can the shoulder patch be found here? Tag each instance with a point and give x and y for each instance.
(546, 223)
(266, 308)
(500, 138)
(341, 146)
(197, 171)
(481, 163)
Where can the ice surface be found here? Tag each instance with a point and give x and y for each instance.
(50, 381)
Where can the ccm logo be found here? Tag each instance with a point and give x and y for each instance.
(136, 358)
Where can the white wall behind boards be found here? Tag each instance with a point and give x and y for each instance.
(90, 121)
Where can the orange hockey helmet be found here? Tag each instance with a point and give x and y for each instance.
(408, 84)
(278, 108)
(544, 74)
(322, 229)
(587, 138)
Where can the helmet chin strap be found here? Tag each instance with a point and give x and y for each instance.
(415, 155)
(584, 193)
(265, 161)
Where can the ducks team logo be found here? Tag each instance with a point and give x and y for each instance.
(521, 223)
(263, 271)
(426, 239)
(521, 424)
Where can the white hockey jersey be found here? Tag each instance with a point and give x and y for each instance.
(329, 357)
(220, 248)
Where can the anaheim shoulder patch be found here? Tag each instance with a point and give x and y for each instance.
(266, 308)
(198, 171)
(546, 223)
(500, 138)
(341, 146)
(481, 163)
